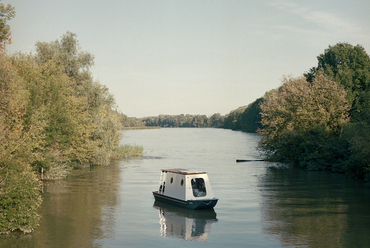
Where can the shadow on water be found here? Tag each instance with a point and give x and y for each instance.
(314, 209)
(75, 212)
(177, 222)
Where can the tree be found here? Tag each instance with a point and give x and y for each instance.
(250, 119)
(66, 137)
(19, 187)
(76, 63)
(358, 136)
(231, 120)
(349, 66)
(6, 14)
(100, 104)
(216, 120)
(297, 107)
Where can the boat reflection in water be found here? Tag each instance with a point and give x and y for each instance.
(178, 222)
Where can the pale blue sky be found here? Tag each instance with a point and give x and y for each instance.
(193, 57)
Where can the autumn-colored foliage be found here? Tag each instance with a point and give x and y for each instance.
(19, 187)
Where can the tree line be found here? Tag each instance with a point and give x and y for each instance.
(53, 117)
(216, 120)
(243, 119)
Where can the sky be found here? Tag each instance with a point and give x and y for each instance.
(193, 56)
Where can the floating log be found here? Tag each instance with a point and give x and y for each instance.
(248, 160)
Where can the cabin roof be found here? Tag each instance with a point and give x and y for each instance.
(183, 171)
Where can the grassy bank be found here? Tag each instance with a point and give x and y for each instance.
(127, 151)
(61, 171)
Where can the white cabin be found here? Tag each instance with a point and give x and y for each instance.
(184, 185)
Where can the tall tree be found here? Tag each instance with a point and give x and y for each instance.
(350, 66)
(101, 104)
(68, 130)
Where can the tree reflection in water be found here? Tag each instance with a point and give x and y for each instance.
(76, 212)
(298, 209)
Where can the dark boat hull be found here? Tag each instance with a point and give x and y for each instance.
(191, 204)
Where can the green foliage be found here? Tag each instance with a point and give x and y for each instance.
(66, 51)
(19, 187)
(82, 123)
(246, 119)
(250, 119)
(107, 135)
(6, 14)
(358, 136)
(322, 150)
(216, 120)
(19, 201)
(53, 116)
(182, 120)
(131, 121)
(127, 151)
(299, 105)
(349, 66)
(67, 132)
(103, 132)
(232, 120)
(300, 119)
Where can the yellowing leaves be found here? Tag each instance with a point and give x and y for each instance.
(299, 105)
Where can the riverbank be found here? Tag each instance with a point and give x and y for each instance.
(61, 171)
(127, 151)
(139, 128)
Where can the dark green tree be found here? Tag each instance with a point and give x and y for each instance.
(349, 66)
(250, 119)
(216, 120)
(232, 120)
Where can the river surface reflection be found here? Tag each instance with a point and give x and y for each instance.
(177, 222)
(260, 204)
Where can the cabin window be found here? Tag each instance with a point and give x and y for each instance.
(182, 182)
(171, 181)
(199, 187)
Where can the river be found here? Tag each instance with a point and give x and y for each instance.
(260, 204)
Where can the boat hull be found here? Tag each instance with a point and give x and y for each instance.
(191, 204)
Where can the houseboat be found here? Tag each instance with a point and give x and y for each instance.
(186, 189)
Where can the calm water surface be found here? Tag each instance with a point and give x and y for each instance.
(260, 204)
